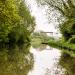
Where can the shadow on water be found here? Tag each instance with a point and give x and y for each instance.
(68, 63)
(15, 60)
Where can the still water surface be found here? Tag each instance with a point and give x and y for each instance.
(26, 60)
(46, 62)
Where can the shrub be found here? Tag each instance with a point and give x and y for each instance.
(72, 40)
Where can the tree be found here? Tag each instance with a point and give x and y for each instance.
(16, 22)
(8, 18)
(67, 9)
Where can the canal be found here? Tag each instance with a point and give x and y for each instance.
(44, 60)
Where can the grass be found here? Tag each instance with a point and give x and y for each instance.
(64, 46)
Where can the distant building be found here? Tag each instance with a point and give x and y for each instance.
(53, 34)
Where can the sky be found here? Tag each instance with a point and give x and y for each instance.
(40, 17)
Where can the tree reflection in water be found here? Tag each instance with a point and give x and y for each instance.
(68, 63)
(15, 60)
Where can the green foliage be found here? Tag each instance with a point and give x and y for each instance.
(27, 21)
(15, 60)
(67, 10)
(8, 17)
(66, 47)
(72, 40)
(16, 23)
(68, 63)
(68, 29)
(38, 38)
(41, 35)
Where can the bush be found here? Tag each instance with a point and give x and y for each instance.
(68, 29)
(72, 40)
(16, 22)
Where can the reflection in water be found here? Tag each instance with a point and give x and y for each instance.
(38, 46)
(16, 60)
(68, 63)
(46, 62)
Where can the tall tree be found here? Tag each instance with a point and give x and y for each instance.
(8, 17)
(16, 22)
(67, 9)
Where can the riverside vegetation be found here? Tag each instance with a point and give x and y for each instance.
(16, 22)
(16, 26)
(15, 60)
(66, 27)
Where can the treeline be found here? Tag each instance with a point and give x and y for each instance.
(66, 25)
(66, 9)
(16, 22)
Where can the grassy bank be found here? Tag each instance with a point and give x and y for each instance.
(64, 46)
